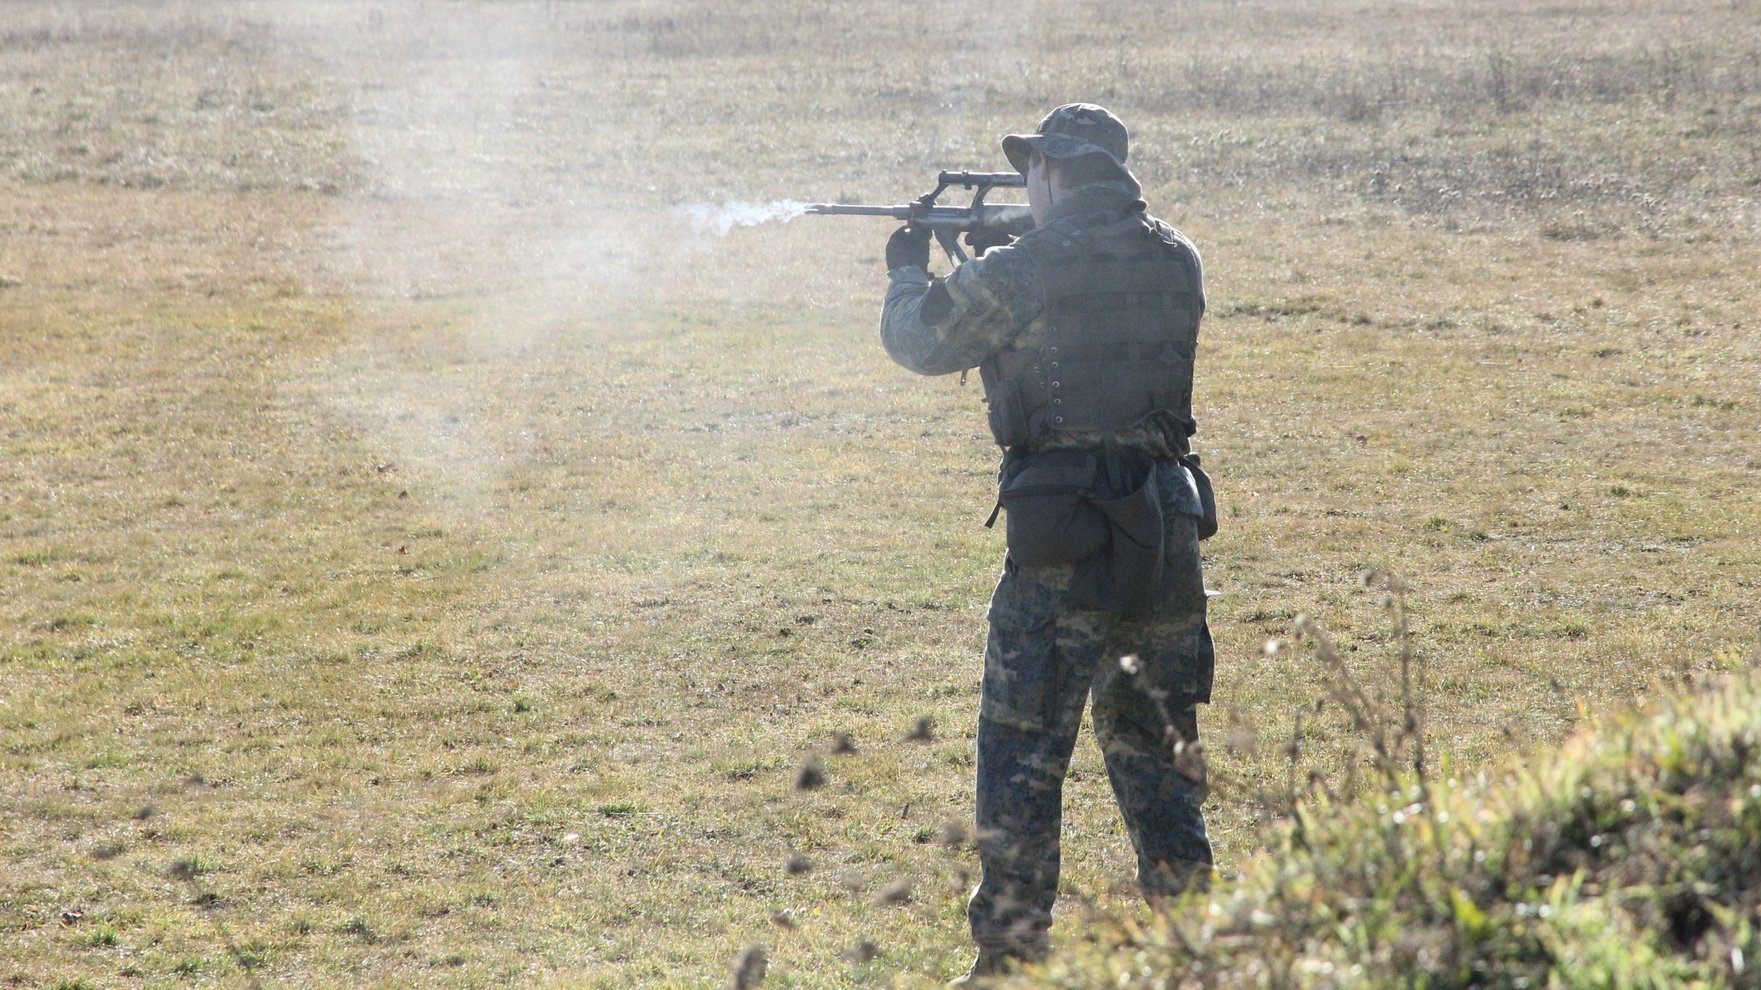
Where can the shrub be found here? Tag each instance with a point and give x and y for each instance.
(1631, 857)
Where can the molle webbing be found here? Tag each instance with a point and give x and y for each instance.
(1138, 276)
(1153, 349)
(1166, 303)
(1123, 303)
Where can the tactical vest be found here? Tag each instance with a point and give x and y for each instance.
(1122, 302)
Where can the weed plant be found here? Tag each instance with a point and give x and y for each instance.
(1628, 858)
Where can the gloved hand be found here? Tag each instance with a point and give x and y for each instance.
(908, 248)
(981, 240)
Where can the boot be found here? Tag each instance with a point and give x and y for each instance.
(991, 962)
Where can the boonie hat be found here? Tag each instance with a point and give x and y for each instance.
(1070, 131)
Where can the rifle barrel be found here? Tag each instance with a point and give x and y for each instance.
(920, 213)
(902, 212)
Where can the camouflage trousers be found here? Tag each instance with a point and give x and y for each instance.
(1044, 661)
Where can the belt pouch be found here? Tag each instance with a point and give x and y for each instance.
(1207, 496)
(1052, 519)
(1128, 578)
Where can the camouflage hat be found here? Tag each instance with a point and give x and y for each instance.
(1072, 130)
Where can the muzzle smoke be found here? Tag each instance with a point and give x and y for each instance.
(707, 218)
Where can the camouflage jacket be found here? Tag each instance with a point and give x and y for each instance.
(951, 324)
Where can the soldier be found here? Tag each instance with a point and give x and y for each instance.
(1084, 331)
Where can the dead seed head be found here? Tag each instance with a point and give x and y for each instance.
(1189, 761)
(797, 864)
(954, 835)
(992, 835)
(750, 970)
(843, 744)
(811, 777)
(923, 731)
(897, 892)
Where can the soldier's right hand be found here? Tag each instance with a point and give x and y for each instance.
(908, 248)
(981, 240)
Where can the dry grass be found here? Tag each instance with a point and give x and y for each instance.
(459, 556)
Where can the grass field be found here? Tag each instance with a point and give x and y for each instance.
(428, 556)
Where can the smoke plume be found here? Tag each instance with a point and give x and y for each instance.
(706, 217)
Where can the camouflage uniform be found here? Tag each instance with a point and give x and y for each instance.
(1046, 657)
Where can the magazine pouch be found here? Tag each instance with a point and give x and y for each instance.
(1052, 519)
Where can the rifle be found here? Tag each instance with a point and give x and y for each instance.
(948, 221)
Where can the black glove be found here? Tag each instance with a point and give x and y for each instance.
(908, 248)
(981, 240)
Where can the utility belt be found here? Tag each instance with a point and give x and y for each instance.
(1102, 511)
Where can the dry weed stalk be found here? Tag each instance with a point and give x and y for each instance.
(1390, 733)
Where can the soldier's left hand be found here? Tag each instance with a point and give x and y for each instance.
(908, 248)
